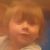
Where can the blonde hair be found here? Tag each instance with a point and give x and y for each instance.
(24, 6)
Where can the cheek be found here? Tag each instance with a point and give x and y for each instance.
(14, 28)
(35, 30)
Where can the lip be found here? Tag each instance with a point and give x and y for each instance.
(23, 32)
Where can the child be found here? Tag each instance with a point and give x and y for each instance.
(23, 23)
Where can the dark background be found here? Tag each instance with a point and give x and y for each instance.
(47, 17)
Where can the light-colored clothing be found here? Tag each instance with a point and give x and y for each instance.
(4, 45)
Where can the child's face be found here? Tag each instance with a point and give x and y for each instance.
(23, 31)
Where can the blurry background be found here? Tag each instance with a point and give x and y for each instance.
(45, 4)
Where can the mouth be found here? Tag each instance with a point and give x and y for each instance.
(25, 32)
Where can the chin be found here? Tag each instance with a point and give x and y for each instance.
(26, 42)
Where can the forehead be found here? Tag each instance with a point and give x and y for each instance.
(18, 11)
(24, 8)
(23, 12)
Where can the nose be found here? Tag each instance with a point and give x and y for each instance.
(25, 26)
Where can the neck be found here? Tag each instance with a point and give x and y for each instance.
(14, 46)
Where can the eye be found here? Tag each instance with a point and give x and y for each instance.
(18, 20)
(32, 21)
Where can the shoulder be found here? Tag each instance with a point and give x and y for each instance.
(2, 39)
(3, 42)
(32, 47)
